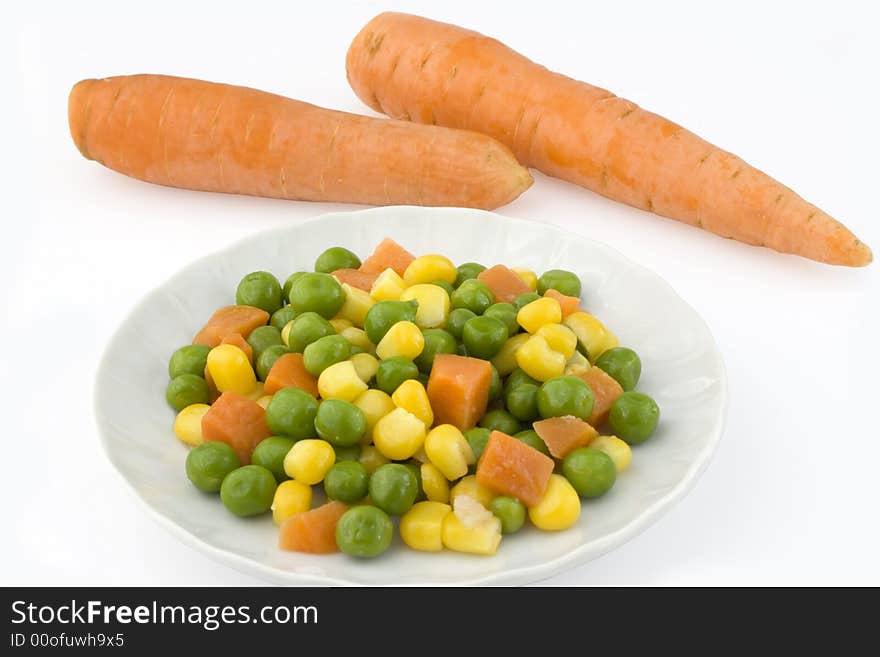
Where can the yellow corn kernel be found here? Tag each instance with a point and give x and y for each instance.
(505, 360)
(481, 537)
(309, 460)
(614, 447)
(412, 396)
(433, 304)
(434, 484)
(538, 360)
(231, 370)
(188, 424)
(285, 332)
(264, 401)
(403, 339)
(290, 497)
(357, 303)
(257, 392)
(340, 323)
(372, 459)
(340, 381)
(560, 338)
(448, 449)
(577, 365)
(430, 268)
(365, 365)
(358, 338)
(529, 277)
(399, 434)
(534, 315)
(388, 286)
(421, 526)
(375, 404)
(470, 487)
(559, 508)
(591, 333)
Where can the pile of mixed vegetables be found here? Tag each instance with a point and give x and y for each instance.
(464, 400)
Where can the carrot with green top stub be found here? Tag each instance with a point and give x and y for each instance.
(421, 70)
(222, 138)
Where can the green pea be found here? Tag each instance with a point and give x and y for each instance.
(560, 280)
(484, 336)
(623, 365)
(191, 359)
(209, 463)
(446, 286)
(500, 420)
(456, 321)
(634, 416)
(336, 257)
(393, 488)
(416, 468)
(349, 453)
(261, 290)
(522, 402)
(347, 482)
(324, 352)
(364, 531)
(531, 438)
(385, 314)
(525, 299)
(474, 295)
(394, 371)
(510, 511)
(495, 384)
(292, 413)
(589, 471)
(462, 349)
(267, 359)
(248, 491)
(270, 453)
(437, 341)
(318, 293)
(517, 378)
(477, 439)
(506, 312)
(288, 284)
(340, 422)
(264, 337)
(468, 271)
(306, 328)
(565, 395)
(186, 389)
(282, 316)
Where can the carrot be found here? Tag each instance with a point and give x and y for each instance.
(510, 467)
(237, 421)
(605, 389)
(413, 68)
(563, 434)
(228, 320)
(388, 255)
(458, 389)
(567, 303)
(312, 531)
(222, 138)
(505, 283)
(362, 280)
(289, 371)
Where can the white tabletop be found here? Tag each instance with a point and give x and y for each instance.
(791, 496)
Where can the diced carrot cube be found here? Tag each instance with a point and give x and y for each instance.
(567, 303)
(563, 434)
(290, 371)
(228, 320)
(237, 421)
(605, 389)
(458, 389)
(236, 340)
(388, 255)
(511, 467)
(312, 531)
(362, 280)
(505, 283)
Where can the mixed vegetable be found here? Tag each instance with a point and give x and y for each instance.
(462, 399)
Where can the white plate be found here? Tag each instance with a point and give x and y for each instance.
(682, 370)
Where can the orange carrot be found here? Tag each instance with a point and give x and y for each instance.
(388, 255)
(511, 467)
(312, 531)
(567, 303)
(563, 434)
(362, 280)
(505, 283)
(221, 138)
(458, 389)
(228, 320)
(429, 72)
(289, 371)
(605, 389)
(237, 421)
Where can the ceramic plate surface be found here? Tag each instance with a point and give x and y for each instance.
(682, 370)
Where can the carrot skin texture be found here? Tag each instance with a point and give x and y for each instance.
(421, 70)
(222, 138)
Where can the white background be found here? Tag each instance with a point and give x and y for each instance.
(791, 496)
